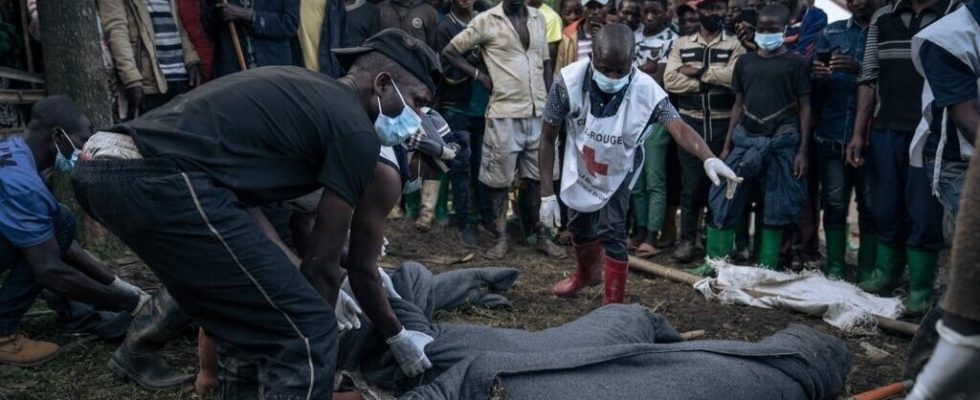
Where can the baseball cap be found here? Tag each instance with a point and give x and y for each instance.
(602, 2)
(412, 54)
(689, 6)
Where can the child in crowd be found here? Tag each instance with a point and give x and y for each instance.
(571, 11)
(653, 42)
(767, 142)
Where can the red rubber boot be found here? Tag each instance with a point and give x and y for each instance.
(588, 258)
(616, 273)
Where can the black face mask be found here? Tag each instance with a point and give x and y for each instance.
(711, 23)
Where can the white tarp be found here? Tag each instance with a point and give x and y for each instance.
(841, 304)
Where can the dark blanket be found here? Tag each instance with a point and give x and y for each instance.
(615, 352)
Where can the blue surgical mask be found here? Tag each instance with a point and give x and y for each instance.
(769, 41)
(62, 163)
(395, 130)
(607, 84)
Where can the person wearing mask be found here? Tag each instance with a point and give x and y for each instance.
(153, 57)
(270, 312)
(266, 30)
(908, 217)
(609, 108)
(699, 72)
(37, 234)
(519, 74)
(767, 142)
(835, 103)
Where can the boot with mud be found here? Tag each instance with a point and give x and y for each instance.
(19, 350)
(616, 272)
(719, 245)
(427, 210)
(498, 200)
(889, 264)
(138, 358)
(588, 263)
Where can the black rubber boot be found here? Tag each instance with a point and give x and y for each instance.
(139, 358)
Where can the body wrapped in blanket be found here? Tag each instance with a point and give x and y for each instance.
(615, 352)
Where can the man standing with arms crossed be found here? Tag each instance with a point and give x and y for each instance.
(512, 39)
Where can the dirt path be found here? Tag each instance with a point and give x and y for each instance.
(81, 373)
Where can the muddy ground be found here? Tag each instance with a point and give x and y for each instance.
(81, 372)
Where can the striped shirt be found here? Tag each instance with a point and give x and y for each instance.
(887, 63)
(584, 46)
(166, 37)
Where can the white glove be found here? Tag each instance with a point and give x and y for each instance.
(951, 372)
(715, 168)
(449, 152)
(387, 284)
(549, 215)
(129, 288)
(409, 350)
(347, 309)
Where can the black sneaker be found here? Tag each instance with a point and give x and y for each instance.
(466, 235)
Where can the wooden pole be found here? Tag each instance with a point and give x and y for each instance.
(676, 275)
(236, 43)
(886, 392)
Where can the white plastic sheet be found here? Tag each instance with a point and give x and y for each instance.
(841, 304)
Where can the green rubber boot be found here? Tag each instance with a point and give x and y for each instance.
(866, 256)
(413, 202)
(719, 246)
(743, 248)
(888, 267)
(836, 247)
(442, 205)
(772, 239)
(922, 276)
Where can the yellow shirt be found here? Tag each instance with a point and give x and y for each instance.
(552, 23)
(311, 17)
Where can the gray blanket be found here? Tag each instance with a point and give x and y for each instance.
(615, 352)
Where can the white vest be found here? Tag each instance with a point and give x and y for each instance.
(957, 34)
(599, 152)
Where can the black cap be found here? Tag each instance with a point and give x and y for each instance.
(412, 54)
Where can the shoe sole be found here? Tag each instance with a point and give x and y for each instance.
(42, 361)
(122, 373)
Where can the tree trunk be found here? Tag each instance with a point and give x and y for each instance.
(71, 40)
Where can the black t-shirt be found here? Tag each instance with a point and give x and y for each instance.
(269, 134)
(770, 88)
(363, 21)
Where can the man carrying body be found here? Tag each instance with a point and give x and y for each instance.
(699, 71)
(607, 123)
(196, 165)
(37, 235)
(511, 37)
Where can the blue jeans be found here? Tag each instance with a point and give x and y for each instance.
(952, 177)
(19, 290)
(837, 180)
(906, 213)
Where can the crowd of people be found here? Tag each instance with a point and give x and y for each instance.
(712, 129)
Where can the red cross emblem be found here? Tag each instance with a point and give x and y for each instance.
(591, 164)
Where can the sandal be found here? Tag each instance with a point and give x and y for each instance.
(646, 250)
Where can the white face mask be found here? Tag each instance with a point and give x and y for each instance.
(607, 84)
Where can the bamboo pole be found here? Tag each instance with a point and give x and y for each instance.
(679, 276)
(235, 42)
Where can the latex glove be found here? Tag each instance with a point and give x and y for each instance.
(347, 309)
(549, 215)
(387, 284)
(716, 169)
(951, 372)
(448, 152)
(409, 350)
(127, 287)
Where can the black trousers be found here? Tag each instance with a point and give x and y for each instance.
(224, 272)
(694, 183)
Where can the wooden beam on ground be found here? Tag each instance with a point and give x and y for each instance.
(676, 275)
(27, 96)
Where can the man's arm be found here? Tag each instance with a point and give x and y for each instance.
(862, 118)
(689, 139)
(733, 120)
(966, 116)
(953, 84)
(722, 75)
(366, 238)
(116, 25)
(548, 74)
(270, 232)
(546, 157)
(675, 81)
(280, 24)
(52, 273)
(82, 261)
(800, 164)
(321, 264)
